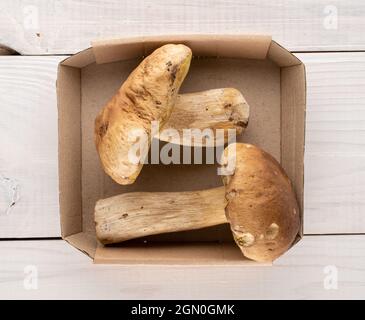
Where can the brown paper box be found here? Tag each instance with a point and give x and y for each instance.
(273, 83)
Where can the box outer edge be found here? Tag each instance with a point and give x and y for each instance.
(62, 142)
(98, 45)
(302, 177)
(111, 50)
(224, 254)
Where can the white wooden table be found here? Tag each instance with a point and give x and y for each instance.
(328, 36)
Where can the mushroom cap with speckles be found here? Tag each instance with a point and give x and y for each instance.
(262, 208)
(148, 95)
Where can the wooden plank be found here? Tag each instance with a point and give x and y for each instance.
(310, 270)
(334, 170)
(64, 27)
(335, 143)
(28, 140)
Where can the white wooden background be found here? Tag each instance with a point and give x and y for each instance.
(45, 31)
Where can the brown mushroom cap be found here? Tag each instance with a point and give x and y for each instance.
(148, 94)
(262, 207)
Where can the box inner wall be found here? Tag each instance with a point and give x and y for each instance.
(258, 80)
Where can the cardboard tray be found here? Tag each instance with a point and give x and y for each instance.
(273, 83)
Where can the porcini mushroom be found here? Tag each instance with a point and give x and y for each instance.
(257, 200)
(261, 205)
(147, 95)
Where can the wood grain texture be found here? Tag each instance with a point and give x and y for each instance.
(302, 273)
(335, 143)
(64, 27)
(28, 143)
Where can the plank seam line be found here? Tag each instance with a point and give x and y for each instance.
(294, 51)
(30, 239)
(329, 51)
(59, 238)
(335, 234)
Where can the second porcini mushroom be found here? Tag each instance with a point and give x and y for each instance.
(258, 201)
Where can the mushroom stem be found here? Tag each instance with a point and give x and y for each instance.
(138, 214)
(223, 109)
